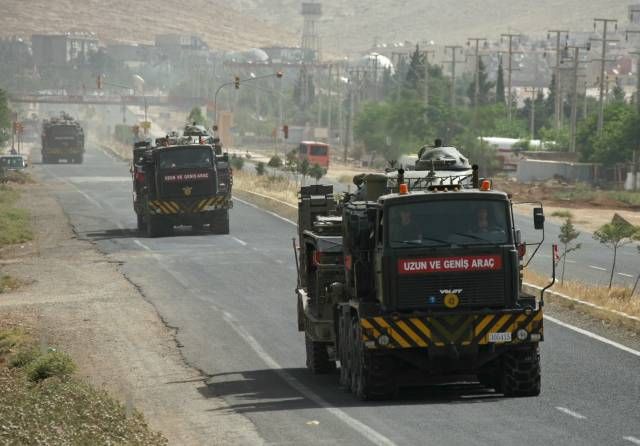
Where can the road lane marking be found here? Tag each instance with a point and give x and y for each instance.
(571, 261)
(268, 212)
(633, 440)
(243, 243)
(597, 267)
(177, 277)
(81, 192)
(625, 275)
(571, 412)
(142, 245)
(366, 431)
(593, 336)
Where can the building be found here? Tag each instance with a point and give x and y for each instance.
(61, 49)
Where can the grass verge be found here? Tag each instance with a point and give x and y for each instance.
(277, 187)
(8, 283)
(14, 222)
(41, 402)
(616, 298)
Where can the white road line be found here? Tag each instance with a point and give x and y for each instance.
(571, 261)
(243, 243)
(142, 245)
(81, 192)
(597, 267)
(571, 412)
(633, 440)
(593, 336)
(268, 212)
(625, 275)
(366, 431)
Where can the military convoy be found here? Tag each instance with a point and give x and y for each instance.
(178, 182)
(62, 138)
(412, 280)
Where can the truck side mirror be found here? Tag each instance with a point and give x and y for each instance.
(538, 218)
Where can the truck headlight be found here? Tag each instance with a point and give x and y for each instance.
(383, 340)
(522, 334)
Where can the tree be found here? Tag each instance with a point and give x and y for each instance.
(317, 172)
(275, 161)
(260, 168)
(500, 98)
(568, 234)
(617, 94)
(196, 115)
(5, 118)
(415, 73)
(303, 169)
(237, 162)
(615, 235)
(484, 86)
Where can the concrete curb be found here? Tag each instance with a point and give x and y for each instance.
(291, 212)
(573, 303)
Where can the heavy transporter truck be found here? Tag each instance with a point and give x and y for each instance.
(409, 282)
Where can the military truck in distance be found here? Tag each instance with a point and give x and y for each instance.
(62, 138)
(183, 184)
(406, 288)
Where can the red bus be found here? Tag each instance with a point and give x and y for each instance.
(314, 152)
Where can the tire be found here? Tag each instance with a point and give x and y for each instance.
(344, 351)
(318, 358)
(520, 373)
(372, 374)
(142, 226)
(157, 227)
(220, 222)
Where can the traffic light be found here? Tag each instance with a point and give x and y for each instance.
(99, 82)
(237, 82)
(285, 131)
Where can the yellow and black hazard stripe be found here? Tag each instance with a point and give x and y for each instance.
(463, 330)
(164, 207)
(219, 202)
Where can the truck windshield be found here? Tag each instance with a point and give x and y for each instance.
(446, 223)
(192, 157)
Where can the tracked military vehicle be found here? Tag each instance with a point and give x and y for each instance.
(62, 138)
(181, 184)
(404, 286)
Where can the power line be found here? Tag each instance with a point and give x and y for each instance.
(476, 75)
(453, 62)
(510, 69)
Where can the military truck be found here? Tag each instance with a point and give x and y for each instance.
(408, 287)
(181, 184)
(62, 138)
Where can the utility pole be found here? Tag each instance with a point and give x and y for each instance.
(510, 69)
(532, 111)
(603, 60)
(476, 75)
(557, 102)
(574, 96)
(637, 54)
(329, 102)
(453, 61)
(425, 92)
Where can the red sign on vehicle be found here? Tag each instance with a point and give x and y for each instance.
(173, 178)
(487, 262)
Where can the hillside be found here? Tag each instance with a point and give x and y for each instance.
(348, 24)
(215, 20)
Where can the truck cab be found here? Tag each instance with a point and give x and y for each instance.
(182, 185)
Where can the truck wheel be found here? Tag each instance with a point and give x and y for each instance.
(521, 375)
(141, 223)
(372, 375)
(220, 222)
(156, 227)
(344, 351)
(318, 358)
(79, 159)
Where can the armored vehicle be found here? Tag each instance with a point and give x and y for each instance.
(62, 138)
(184, 184)
(406, 287)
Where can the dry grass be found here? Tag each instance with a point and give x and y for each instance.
(14, 223)
(276, 187)
(617, 298)
(41, 403)
(8, 283)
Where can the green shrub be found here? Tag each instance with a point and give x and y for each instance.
(562, 214)
(24, 358)
(237, 163)
(260, 168)
(51, 364)
(275, 161)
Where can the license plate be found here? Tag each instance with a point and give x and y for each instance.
(500, 337)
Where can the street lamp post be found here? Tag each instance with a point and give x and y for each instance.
(236, 82)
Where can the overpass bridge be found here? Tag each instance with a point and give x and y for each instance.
(122, 100)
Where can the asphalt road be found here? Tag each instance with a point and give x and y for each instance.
(230, 299)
